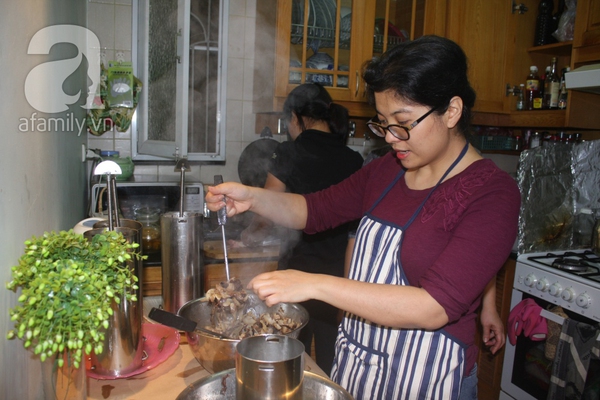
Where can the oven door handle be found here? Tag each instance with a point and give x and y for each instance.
(552, 317)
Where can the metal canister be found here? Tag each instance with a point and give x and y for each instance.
(181, 255)
(123, 342)
(269, 367)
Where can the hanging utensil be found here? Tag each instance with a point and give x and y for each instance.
(222, 218)
(183, 166)
(111, 169)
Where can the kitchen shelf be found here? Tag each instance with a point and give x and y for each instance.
(556, 49)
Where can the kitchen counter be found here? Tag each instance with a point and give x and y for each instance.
(166, 381)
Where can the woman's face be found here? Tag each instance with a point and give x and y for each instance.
(428, 141)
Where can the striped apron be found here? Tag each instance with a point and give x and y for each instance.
(378, 362)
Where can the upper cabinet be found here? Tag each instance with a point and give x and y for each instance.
(587, 28)
(498, 39)
(328, 41)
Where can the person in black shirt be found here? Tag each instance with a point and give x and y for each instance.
(316, 158)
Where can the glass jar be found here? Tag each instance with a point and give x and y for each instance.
(149, 217)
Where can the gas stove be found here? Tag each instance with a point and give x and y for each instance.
(570, 279)
(580, 265)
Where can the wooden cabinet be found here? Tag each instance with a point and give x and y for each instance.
(496, 37)
(498, 42)
(489, 365)
(333, 45)
(587, 26)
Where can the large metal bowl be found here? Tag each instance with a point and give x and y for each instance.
(218, 354)
(222, 386)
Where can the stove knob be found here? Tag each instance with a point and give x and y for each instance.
(530, 280)
(584, 300)
(568, 295)
(555, 289)
(542, 284)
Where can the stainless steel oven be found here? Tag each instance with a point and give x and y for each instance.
(569, 279)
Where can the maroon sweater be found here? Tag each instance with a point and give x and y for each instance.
(454, 247)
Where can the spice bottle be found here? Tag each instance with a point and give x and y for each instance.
(563, 94)
(533, 100)
(521, 98)
(535, 140)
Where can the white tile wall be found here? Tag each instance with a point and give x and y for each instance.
(111, 20)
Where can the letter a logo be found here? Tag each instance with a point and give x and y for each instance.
(43, 85)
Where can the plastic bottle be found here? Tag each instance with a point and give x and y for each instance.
(533, 100)
(521, 98)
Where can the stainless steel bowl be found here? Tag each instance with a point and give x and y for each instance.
(222, 386)
(218, 354)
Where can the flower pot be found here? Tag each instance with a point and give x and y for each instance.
(65, 382)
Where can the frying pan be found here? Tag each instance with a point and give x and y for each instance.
(255, 158)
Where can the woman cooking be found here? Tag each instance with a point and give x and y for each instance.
(438, 222)
(316, 158)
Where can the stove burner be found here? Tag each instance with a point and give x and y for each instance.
(570, 264)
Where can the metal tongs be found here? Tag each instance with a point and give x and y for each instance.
(111, 169)
(222, 218)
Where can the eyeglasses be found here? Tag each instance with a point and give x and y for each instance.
(398, 131)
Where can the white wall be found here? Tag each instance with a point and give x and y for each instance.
(42, 178)
(111, 20)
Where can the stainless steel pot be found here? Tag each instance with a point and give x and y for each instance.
(222, 386)
(218, 354)
(269, 367)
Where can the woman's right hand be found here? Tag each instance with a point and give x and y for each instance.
(238, 197)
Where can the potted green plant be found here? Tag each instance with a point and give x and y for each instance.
(67, 285)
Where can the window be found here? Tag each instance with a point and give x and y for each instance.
(181, 61)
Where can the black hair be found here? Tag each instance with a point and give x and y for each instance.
(427, 71)
(311, 100)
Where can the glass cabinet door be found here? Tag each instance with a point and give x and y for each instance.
(396, 21)
(320, 46)
(329, 41)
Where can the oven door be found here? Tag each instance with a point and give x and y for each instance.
(526, 370)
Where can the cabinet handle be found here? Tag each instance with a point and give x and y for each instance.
(357, 84)
(512, 90)
(519, 8)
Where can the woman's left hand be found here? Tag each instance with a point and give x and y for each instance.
(285, 286)
(493, 331)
